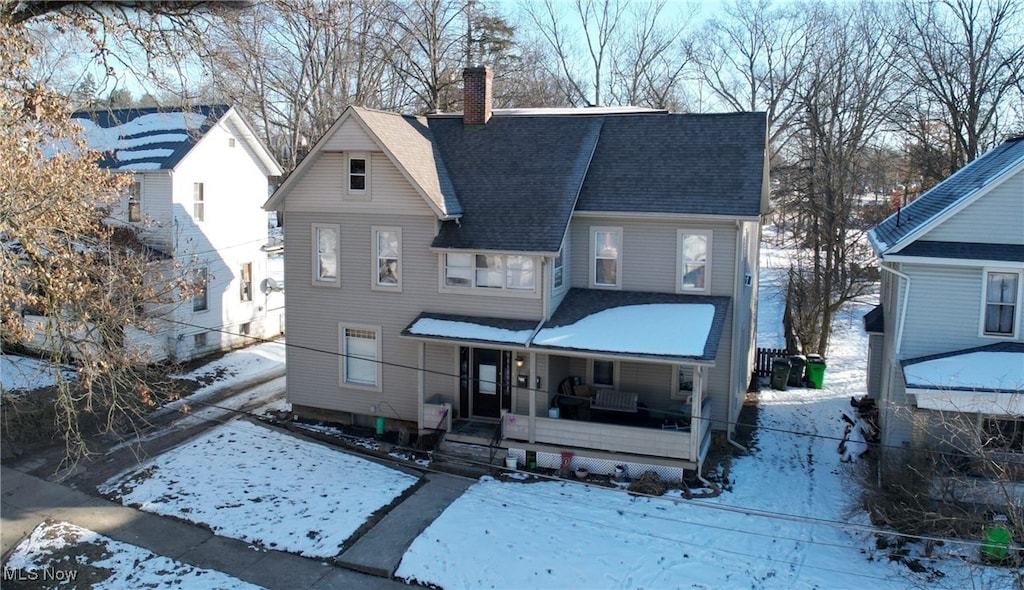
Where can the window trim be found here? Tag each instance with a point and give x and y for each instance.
(314, 274)
(245, 283)
(343, 357)
(355, 192)
(1015, 332)
(676, 393)
(594, 230)
(680, 235)
(615, 373)
(473, 288)
(202, 275)
(375, 283)
(199, 201)
(136, 184)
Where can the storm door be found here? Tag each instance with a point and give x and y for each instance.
(490, 382)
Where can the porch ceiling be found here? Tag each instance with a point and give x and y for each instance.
(662, 326)
(459, 328)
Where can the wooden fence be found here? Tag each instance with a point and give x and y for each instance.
(763, 363)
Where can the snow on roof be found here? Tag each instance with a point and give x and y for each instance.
(666, 329)
(145, 139)
(985, 370)
(464, 330)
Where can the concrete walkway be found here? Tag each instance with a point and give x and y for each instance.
(26, 501)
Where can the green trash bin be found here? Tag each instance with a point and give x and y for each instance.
(996, 540)
(780, 373)
(815, 371)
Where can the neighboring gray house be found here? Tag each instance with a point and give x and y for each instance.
(468, 266)
(946, 345)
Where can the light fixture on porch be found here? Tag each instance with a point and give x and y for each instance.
(520, 362)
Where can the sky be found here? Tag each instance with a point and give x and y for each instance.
(789, 514)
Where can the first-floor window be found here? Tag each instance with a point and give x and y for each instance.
(604, 373)
(359, 356)
(1001, 302)
(135, 202)
(199, 340)
(245, 293)
(200, 301)
(685, 388)
(999, 434)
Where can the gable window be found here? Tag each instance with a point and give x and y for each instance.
(198, 201)
(358, 172)
(693, 255)
(135, 202)
(325, 254)
(602, 373)
(360, 349)
(490, 271)
(388, 247)
(1001, 293)
(246, 282)
(1005, 435)
(200, 300)
(606, 244)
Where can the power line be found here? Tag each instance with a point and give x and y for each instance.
(951, 454)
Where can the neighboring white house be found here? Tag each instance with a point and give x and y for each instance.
(488, 272)
(201, 176)
(946, 346)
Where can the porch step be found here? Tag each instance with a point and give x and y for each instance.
(470, 460)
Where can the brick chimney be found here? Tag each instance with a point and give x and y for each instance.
(476, 95)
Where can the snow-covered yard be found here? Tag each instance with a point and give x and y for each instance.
(26, 373)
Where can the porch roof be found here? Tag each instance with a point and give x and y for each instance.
(436, 326)
(997, 368)
(663, 326)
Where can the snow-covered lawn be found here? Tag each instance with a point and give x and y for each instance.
(25, 373)
(61, 555)
(277, 491)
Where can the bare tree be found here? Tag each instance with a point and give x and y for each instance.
(649, 60)
(964, 60)
(843, 98)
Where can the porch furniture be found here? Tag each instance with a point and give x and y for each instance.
(615, 401)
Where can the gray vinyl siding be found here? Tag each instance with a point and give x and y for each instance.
(944, 311)
(442, 376)
(996, 217)
(322, 190)
(157, 208)
(350, 136)
(649, 253)
(874, 369)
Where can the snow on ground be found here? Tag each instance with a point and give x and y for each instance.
(68, 554)
(249, 482)
(25, 373)
(240, 364)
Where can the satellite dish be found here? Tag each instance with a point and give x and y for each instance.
(270, 285)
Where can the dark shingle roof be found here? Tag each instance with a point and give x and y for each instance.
(678, 163)
(967, 181)
(147, 139)
(516, 178)
(874, 320)
(965, 250)
(954, 370)
(461, 328)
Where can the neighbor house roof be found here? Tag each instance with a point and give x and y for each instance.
(898, 229)
(964, 251)
(158, 138)
(993, 368)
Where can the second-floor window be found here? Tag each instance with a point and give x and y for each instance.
(607, 254)
(325, 254)
(694, 254)
(1001, 293)
(135, 201)
(246, 282)
(558, 271)
(490, 271)
(198, 202)
(388, 245)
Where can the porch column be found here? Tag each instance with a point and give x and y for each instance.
(421, 381)
(697, 422)
(533, 398)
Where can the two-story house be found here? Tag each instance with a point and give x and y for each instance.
(583, 279)
(946, 344)
(200, 176)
